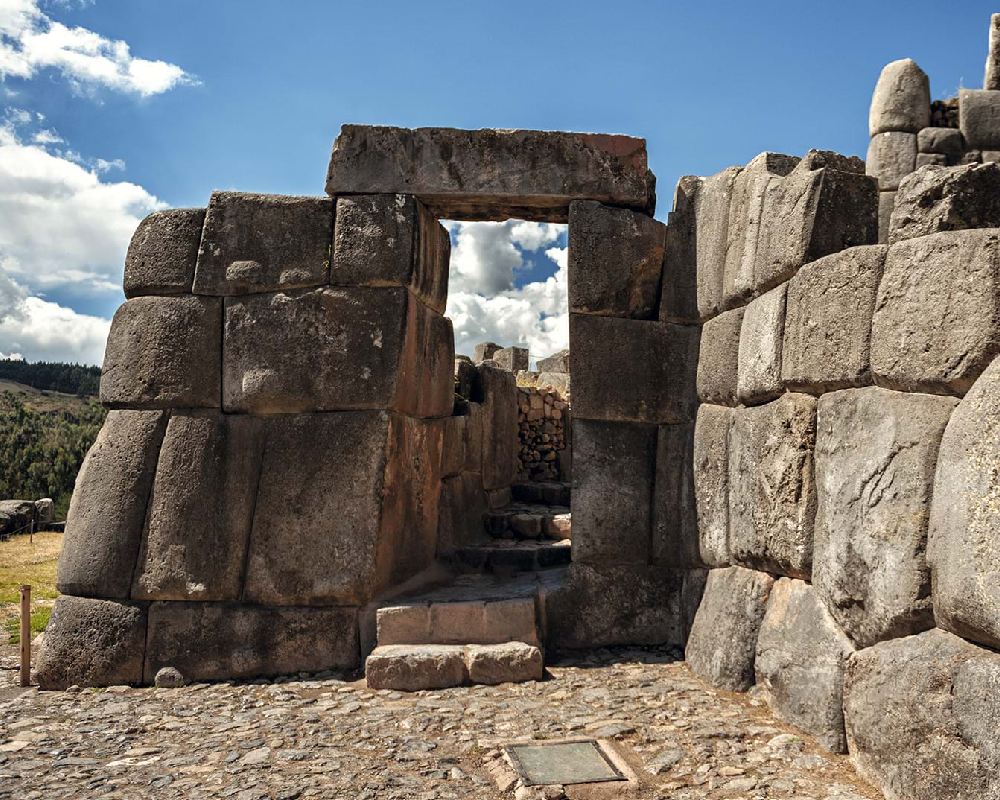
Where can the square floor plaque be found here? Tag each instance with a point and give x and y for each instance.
(562, 762)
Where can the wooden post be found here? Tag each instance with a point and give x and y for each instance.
(31, 533)
(25, 635)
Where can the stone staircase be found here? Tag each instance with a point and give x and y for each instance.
(486, 625)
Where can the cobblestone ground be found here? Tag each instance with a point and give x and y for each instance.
(324, 737)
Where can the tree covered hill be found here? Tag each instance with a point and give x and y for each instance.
(83, 381)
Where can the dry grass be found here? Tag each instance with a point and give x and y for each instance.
(23, 561)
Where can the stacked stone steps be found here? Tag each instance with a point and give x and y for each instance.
(528, 521)
(552, 493)
(478, 629)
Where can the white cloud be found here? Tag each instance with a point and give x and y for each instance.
(42, 331)
(30, 41)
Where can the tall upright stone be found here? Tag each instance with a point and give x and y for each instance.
(991, 78)
(713, 200)
(902, 99)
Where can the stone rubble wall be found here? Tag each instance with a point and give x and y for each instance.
(544, 427)
(845, 459)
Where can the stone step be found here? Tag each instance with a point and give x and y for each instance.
(528, 521)
(477, 620)
(416, 667)
(509, 556)
(553, 493)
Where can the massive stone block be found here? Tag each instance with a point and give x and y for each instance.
(163, 252)
(979, 118)
(675, 518)
(613, 472)
(615, 261)
(723, 642)
(943, 141)
(718, 358)
(218, 641)
(460, 512)
(801, 656)
(921, 717)
(106, 514)
(164, 352)
(337, 349)
(605, 606)
(963, 548)
(661, 387)
(512, 359)
(200, 508)
(263, 242)
(456, 174)
(713, 199)
(679, 287)
(828, 319)
(936, 199)
(755, 195)
(937, 317)
(347, 506)
(761, 336)
(772, 493)
(991, 75)
(902, 99)
(891, 157)
(391, 240)
(557, 362)
(886, 204)
(875, 457)
(711, 482)
(497, 389)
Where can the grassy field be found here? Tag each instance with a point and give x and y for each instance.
(44, 401)
(27, 562)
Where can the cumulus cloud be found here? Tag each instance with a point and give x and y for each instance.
(39, 330)
(30, 41)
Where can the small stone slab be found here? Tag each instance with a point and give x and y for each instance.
(454, 172)
(718, 358)
(562, 763)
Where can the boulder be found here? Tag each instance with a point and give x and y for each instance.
(335, 350)
(217, 641)
(902, 99)
(936, 199)
(347, 506)
(615, 261)
(661, 387)
(963, 548)
(713, 198)
(511, 662)
(937, 318)
(679, 287)
(164, 352)
(718, 358)
(723, 641)
(200, 508)
(163, 251)
(772, 493)
(455, 172)
(45, 511)
(92, 643)
(875, 457)
(675, 518)
(979, 118)
(263, 242)
(557, 362)
(944, 141)
(613, 473)
(16, 516)
(828, 314)
(759, 359)
(391, 240)
(711, 482)
(921, 717)
(108, 508)
(801, 656)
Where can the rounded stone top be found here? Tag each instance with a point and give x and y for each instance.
(902, 99)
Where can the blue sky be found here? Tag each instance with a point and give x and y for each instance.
(251, 94)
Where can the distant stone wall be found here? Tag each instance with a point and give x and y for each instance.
(543, 421)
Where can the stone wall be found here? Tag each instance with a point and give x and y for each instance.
(543, 421)
(844, 468)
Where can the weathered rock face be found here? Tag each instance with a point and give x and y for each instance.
(211, 641)
(16, 516)
(921, 717)
(663, 391)
(886, 203)
(484, 352)
(164, 352)
(263, 242)
(718, 358)
(163, 251)
(493, 174)
(512, 359)
(759, 360)
(936, 199)
(615, 261)
(511, 662)
(891, 157)
(612, 491)
(713, 198)
(991, 75)
(557, 362)
(498, 391)
(412, 668)
(723, 642)
(347, 506)
(902, 99)
(675, 519)
(379, 349)
(206, 481)
(942, 141)
(963, 548)
(937, 318)
(711, 482)
(460, 512)
(106, 514)
(828, 315)
(391, 240)
(772, 493)
(679, 287)
(979, 118)
(92, 643)
(801, 656)
(875, 457)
